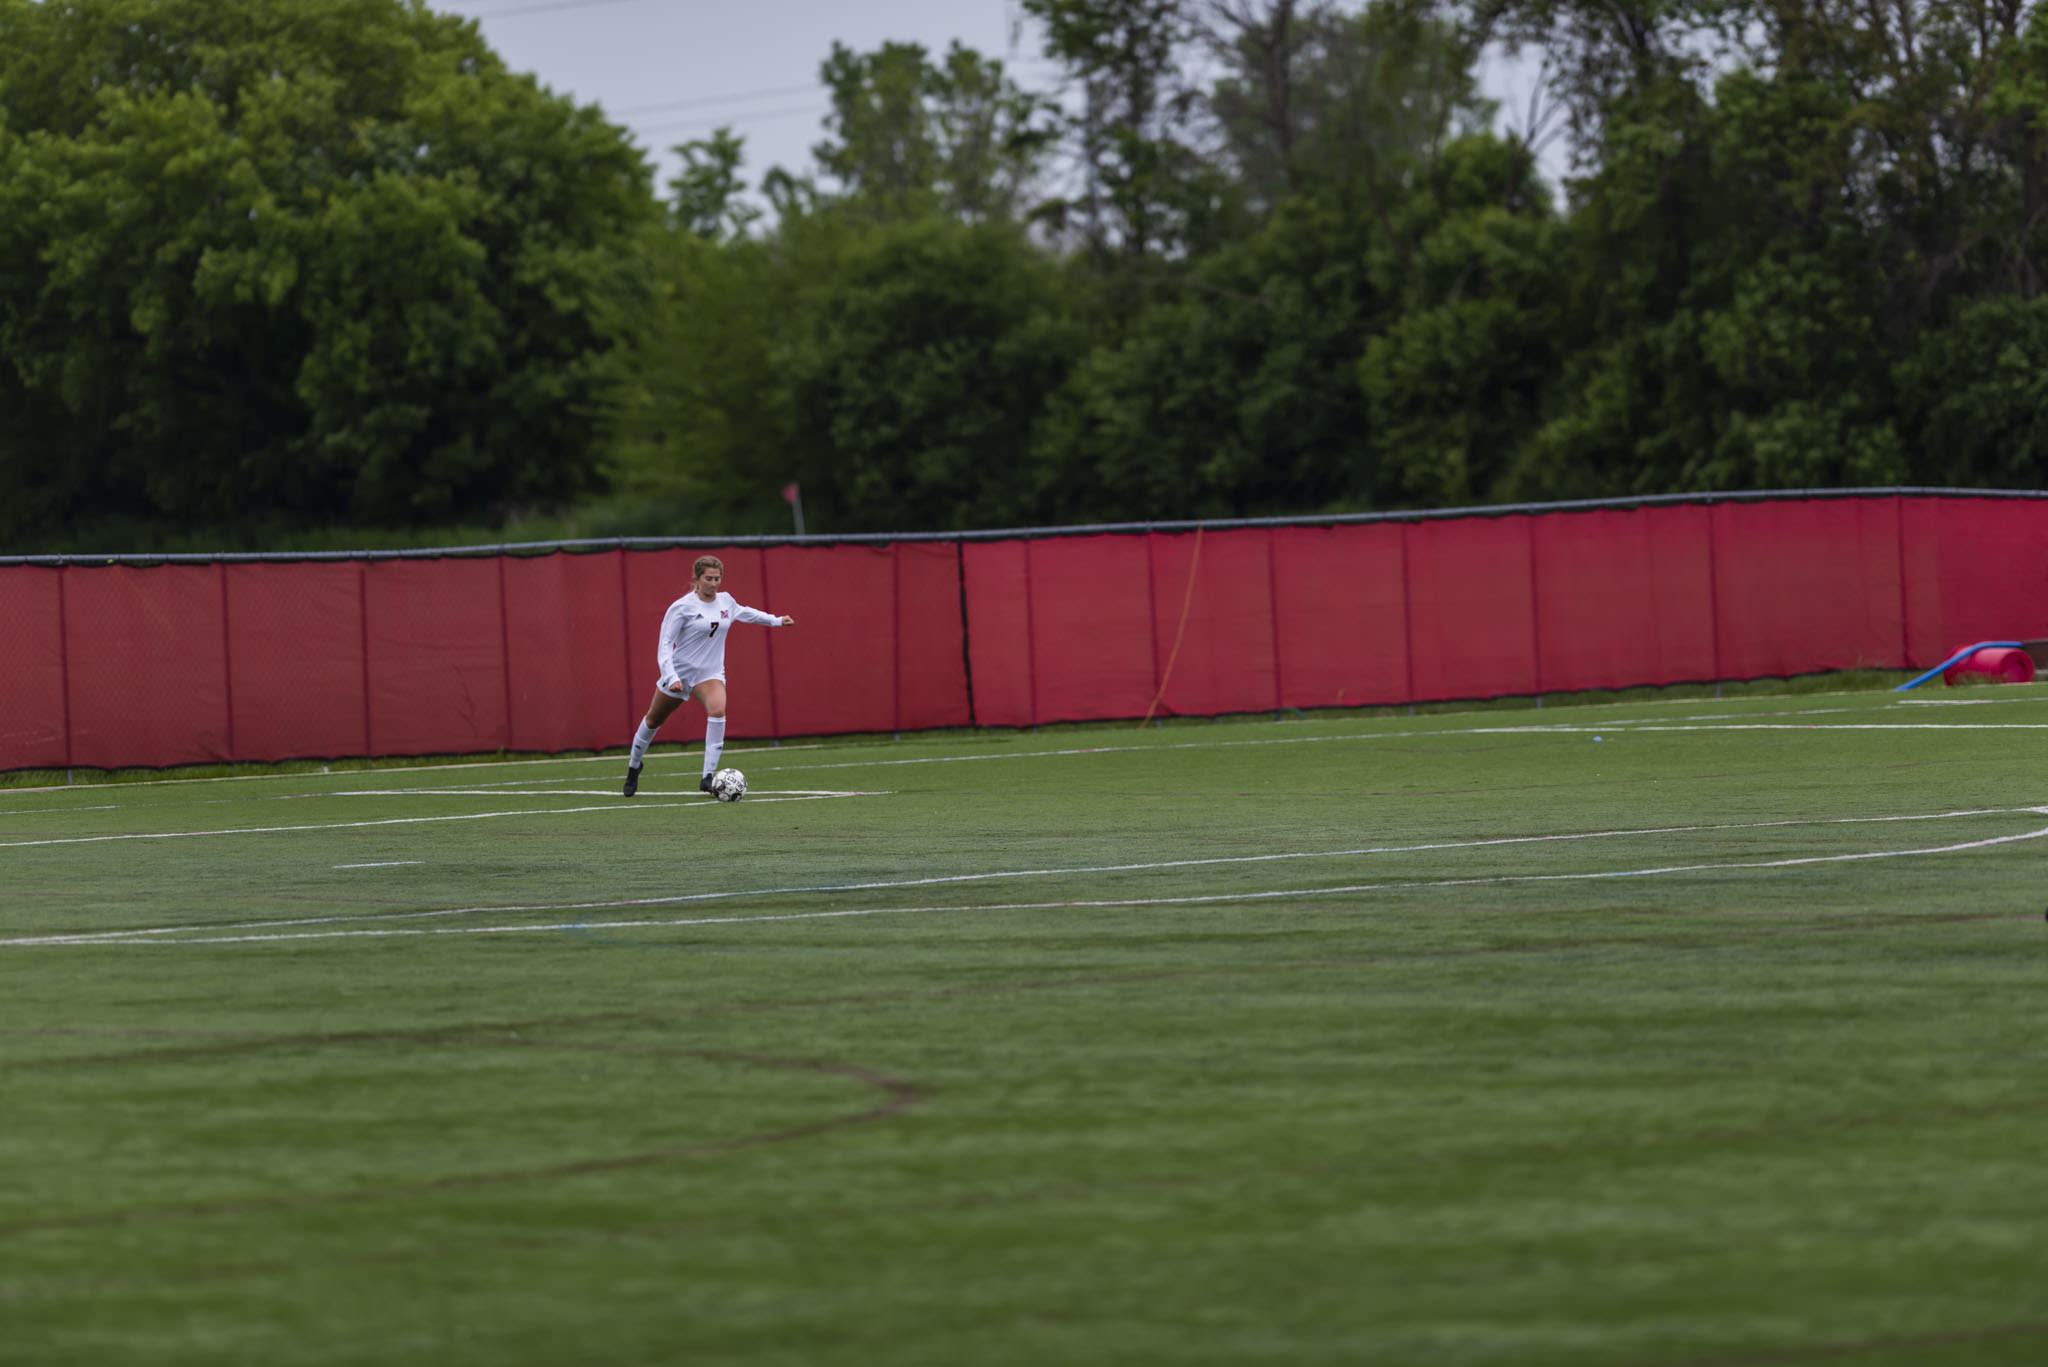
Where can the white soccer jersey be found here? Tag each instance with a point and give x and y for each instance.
(693, 636)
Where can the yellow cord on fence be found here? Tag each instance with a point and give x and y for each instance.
(1187, 601)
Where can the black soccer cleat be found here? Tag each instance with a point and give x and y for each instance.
(632, 779)
(704, 784)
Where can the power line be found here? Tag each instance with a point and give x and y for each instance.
(686, 125)
(736, 97)
(740, 97)
(546, 7)
(814, 88)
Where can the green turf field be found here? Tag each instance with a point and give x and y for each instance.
(1676, 1032)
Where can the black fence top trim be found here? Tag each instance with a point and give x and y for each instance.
(654, 543)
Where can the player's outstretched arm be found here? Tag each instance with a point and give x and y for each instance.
(760, 618)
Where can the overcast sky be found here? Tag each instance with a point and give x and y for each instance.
(674, 70)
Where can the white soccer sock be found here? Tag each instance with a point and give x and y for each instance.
(642, 738)
(714, 742)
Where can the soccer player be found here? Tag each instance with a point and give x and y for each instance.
(692, 658)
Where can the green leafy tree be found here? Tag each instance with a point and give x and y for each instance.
(912, 137)
(1459, 380)
(1604, 58)
(699, 435)
(897, 371)
(1782, 203)
(1236, 392)
(916, 380)
(297, 259)
(1974, 398)
(706, 198)
(1146, 190)
(1942, 135)
(886, 344)
(1350, 104)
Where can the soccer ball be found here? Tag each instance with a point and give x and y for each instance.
(728, 785)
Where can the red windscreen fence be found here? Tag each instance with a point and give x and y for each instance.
(113, 665)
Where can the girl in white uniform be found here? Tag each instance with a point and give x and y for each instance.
(692, 659)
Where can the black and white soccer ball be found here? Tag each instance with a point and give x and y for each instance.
(728, 785)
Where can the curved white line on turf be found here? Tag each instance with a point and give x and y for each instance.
(1445, 733)
(492, 791)
(765, 751)
(494, 765)
(1809, 728)
(764, 754)
(616, 805)
(1960, 702)
(678, 899)
(324, 826)
(1050, 906)
(157, 934)
(689, 792)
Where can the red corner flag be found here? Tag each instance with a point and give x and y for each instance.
(789, 493)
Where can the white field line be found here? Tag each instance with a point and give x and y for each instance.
(382, 864)
(741, 748)
(1559, 728)
(1270, 895)
(467, 792)
(138, 934)
(764, 753)
(510, 782)
(1809, 729)
(615, 805)
(1960, 702)
(1725, 722)
(758, 793)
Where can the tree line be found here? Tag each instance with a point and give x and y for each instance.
(275, 265)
